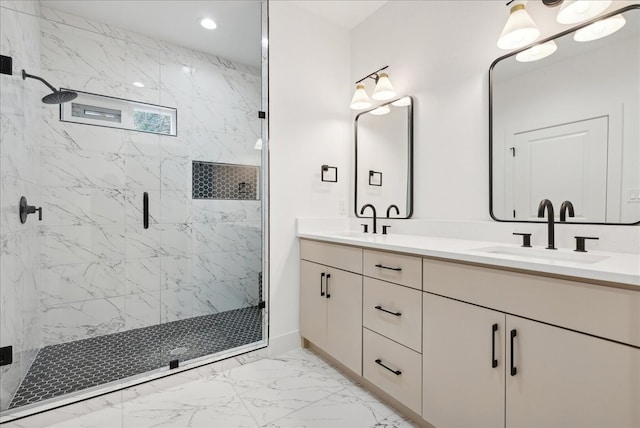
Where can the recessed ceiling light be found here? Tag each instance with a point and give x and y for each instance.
(138, 84)
(208, 23)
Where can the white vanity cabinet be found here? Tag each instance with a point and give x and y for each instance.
(469, 345)
(463, 364)
(477, 374)
(392, 324)
(331, 300)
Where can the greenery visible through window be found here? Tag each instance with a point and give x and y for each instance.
(151, 122)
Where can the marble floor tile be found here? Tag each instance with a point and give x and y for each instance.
(342, 409)
(295, 389)
(211, 402)
(274, 387)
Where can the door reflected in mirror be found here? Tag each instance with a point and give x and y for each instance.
(384, 159)
(566, 127)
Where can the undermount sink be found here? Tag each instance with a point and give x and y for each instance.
(351, 234)
(544, 254)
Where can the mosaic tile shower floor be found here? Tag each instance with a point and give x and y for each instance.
(73, 366)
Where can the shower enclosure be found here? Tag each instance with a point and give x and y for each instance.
(139, 248)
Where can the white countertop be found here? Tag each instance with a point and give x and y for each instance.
(614, 267)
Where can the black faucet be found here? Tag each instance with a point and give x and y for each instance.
(546, 203)
(374, 215)
(389, 210)
(566, 205)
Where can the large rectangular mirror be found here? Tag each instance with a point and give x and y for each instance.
(384, 159)
(566, 127)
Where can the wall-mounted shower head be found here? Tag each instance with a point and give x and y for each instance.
(57, 97)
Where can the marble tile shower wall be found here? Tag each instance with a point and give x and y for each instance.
(101, 271)
(19, 175)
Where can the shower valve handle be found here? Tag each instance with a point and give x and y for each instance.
(26, 209)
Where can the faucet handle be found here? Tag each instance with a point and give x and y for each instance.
(384, 228)
(526, 239)
(580, 248)
(366, 227)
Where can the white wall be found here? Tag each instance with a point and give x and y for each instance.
(440, 52)
(437, 51)
(309, 94)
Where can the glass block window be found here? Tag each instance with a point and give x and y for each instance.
(148, 121)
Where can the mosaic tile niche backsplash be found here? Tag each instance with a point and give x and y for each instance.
(224, 181)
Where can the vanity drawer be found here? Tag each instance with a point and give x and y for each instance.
(398, 268)
(393, 311)
(599, 310)
(402, 379)
(338, 256)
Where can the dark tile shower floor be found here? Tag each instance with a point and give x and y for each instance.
(73, 366)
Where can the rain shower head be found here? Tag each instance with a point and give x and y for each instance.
(57, 97)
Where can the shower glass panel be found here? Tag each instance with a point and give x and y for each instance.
(130, 272)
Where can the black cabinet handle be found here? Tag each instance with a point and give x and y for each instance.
(380, 308)
(380, 363)
(514, 370)
(321, 290)
(145, 210)
(494, 361)
(386, 267)
(326, 285)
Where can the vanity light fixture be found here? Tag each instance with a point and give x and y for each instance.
(519, 31)
(537, 52)
(574, 11)
(360, 100)
(208, 23)
(600, 29)
(383, 90)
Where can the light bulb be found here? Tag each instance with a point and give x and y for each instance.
(537, 52)
(402, 102)
(380, 110)
(600, 29)
(208, 23)
(360, 100)
(384, 90)
(138, 84)
(519, 31)
(574, 11)
(258, 145)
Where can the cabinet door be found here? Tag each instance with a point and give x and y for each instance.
(344, 318)
(568, 379)
(462, 385)
(313, 311)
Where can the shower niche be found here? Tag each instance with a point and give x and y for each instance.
(127, 272)
(111, 112)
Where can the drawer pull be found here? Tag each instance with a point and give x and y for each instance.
(395, 372)
(387, 267)
(326, 285)
(494, 361)
(514, 370)
(321, 290)
(380, 308)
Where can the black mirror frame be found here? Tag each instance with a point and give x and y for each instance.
(493, 64)
(409, 160)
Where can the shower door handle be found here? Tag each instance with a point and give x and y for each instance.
(145, 210)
